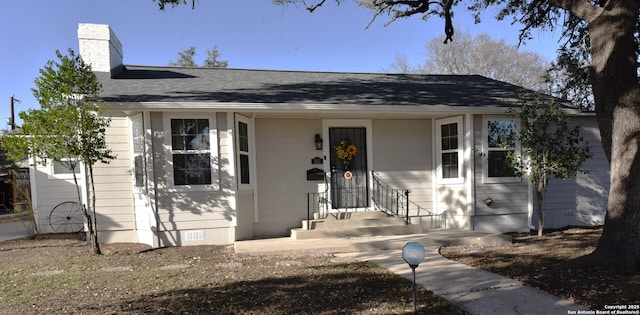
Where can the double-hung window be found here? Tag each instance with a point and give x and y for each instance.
(450, 145)
(136, 123)
(192, 149)
(499, 143)
(244, 151)
(243, 141)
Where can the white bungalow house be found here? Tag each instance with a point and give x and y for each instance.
(211, 156)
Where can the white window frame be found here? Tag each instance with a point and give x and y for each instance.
(53, 175)
(460, 150)
(138, 142)
(250, 153)
(486, 149)
(213, 151)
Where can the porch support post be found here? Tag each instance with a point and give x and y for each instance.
(231, 168)
(469, 163)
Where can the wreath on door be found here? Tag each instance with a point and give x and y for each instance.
(345, 152)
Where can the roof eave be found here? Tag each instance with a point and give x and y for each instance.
(301, 107)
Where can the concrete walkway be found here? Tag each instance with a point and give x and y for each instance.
(474, 290)
(289, 246)
(13, 230)
(477, 291)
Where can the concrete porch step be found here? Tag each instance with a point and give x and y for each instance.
(355, 231)
(359, 222)
(354, 224)
(359, 218)
(365, 214)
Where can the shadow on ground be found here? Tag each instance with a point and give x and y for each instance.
(345, 292)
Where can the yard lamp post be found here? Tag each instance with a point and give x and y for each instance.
(413, 254)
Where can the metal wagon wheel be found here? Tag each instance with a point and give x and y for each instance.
(66, 217)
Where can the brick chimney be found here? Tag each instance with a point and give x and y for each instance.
(100, 48)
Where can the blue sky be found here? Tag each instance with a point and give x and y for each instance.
(250, 34)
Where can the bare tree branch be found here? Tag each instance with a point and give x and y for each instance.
(314, 7)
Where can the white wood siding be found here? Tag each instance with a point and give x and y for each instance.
(581, 200)
(402, 158)
(114, 197)
(49, 192)
(181, 213)
(114, 205)
(284, 149)
(593, 187)
(244, 227)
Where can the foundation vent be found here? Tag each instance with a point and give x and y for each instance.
(194, 235)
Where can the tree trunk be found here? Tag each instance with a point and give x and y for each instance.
(93, 236)
(617, 98)
(91, 231)
(540, 200)
(94, 223)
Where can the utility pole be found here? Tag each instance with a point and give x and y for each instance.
(14, 188)
(12, 119)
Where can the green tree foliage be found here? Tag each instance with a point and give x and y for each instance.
(550, 147)
(5, 162)
(186, 59)
(67, 128)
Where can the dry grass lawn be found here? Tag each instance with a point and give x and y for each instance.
(535, 261)
(60, 276)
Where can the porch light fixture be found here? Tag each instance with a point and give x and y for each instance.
(318, 142)
(488, 201)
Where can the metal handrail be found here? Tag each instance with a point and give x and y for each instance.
(396, 202)
(317, 202)
(392, 201)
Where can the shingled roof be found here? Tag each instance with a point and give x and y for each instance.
(175, 84)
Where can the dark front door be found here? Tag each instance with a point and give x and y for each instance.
(349, 180)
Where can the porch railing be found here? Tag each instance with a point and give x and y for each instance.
(392, 201)
(318, 202)
(396, 202)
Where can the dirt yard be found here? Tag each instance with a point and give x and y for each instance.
(60, 276)
(535, 261)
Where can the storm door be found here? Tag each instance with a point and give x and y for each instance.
(348, 162)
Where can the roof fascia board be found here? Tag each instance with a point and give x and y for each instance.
(301, 107)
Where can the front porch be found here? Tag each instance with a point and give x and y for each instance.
(382, 210)
(291, 173)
